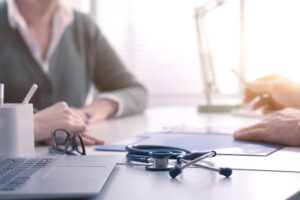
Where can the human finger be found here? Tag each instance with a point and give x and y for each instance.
(256, 90)
(75, 126)
(95, 119)
(268, 109)
(88, 141)
(80, 114)
(255, 134)
(93, 138)
(249, 95)
(259, 125)
(260, 103)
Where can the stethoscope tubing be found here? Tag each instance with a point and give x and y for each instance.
(136, 152)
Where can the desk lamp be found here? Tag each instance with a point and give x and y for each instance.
(206, 61)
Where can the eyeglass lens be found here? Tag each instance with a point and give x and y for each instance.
(61, 137)
(63, 141)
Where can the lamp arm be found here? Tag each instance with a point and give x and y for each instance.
(207, 66)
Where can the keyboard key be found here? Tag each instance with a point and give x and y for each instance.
(16, 172)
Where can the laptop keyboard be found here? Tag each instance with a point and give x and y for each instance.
(14, 172)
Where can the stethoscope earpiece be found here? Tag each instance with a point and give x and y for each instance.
(175, 171)
(225, 171)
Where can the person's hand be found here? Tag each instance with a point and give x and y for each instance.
(60, 115)
(272, 93)
(98, 110)
(280, 127)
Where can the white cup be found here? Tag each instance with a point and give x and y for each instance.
(16, 130)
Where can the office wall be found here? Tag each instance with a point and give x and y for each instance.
(272, 38)
(158, 42)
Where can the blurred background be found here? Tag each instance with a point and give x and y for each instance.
(157, 40)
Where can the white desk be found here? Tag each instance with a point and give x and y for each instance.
(133, 182)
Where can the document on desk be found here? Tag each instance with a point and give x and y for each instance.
(223, 144)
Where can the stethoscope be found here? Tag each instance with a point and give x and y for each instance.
(160, 155)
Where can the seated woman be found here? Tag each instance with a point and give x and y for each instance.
(64, 53)
(280, 99)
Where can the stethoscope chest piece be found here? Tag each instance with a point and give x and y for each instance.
(160, 161)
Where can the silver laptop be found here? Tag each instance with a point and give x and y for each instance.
(54, 177)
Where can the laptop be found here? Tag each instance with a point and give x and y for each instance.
(54, 177)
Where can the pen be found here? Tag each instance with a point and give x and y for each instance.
(30, 94)
(1, 94)
(239, 76)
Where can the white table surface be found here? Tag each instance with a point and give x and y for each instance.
(274, 177)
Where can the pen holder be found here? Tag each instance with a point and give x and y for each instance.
(16, 130)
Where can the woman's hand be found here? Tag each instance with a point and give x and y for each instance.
(60, 115)
(272, 93)
(280, 127)
(98, 110)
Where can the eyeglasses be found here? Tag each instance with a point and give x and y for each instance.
(64, 142)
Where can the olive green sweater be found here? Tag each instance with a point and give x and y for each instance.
(82, 57)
